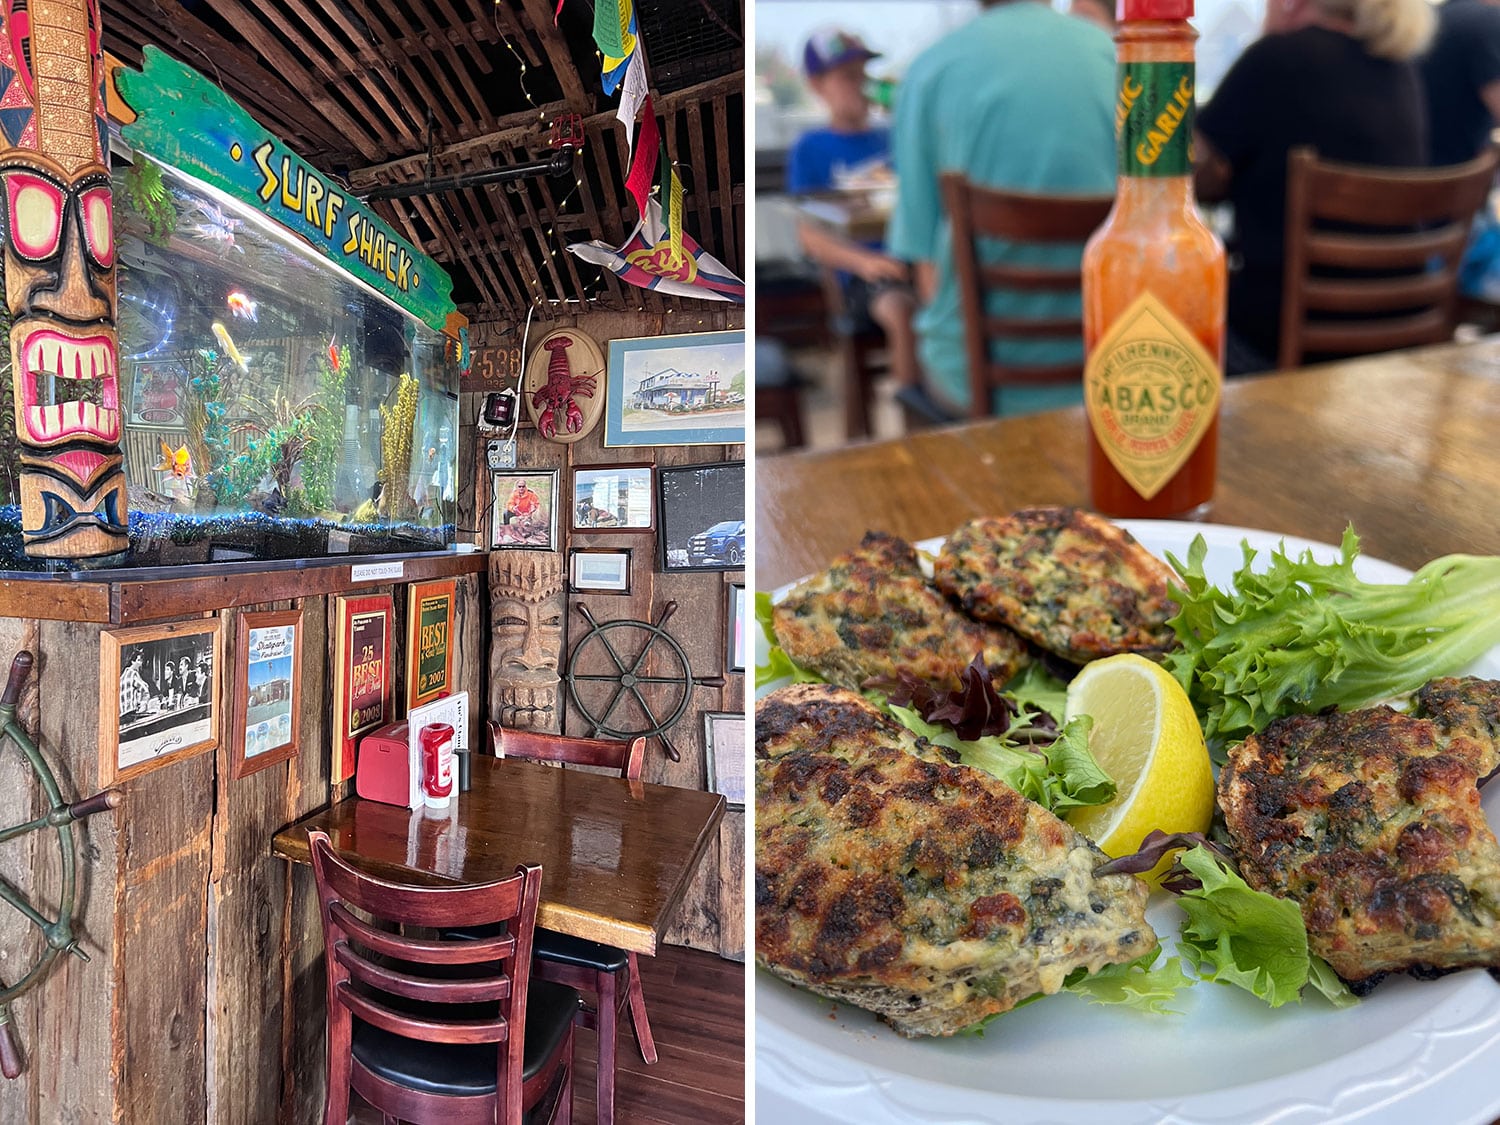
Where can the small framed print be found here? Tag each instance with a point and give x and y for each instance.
(429, 641)
(737, 614)
(523, 509)
(612, 498)
(599, 570)
(362, 697)
(724, 755)
(267, 690)
(158, 696)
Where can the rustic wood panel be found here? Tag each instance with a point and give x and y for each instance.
(19, 939)
(732, 886)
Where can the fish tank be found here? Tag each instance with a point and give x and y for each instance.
(273, 407)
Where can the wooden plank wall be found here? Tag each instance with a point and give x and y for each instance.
(712, 915)
(188, 1010)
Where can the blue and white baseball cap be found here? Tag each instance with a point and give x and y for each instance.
(831, 47)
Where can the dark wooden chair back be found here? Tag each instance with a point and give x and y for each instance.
(629, 757)
(978, 213)
(1404, 228)
(375, 974)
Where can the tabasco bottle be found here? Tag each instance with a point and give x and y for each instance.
(1154, 289)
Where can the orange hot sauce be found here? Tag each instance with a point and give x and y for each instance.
(1154, 289)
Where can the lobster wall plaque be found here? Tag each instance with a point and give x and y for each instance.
(57, 935)
(564, 385)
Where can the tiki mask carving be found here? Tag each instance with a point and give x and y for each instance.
(526, 639)
(58, 225)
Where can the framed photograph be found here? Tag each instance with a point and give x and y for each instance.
(267, 690)
(612, 498)
(523, 509)
(362, 698)
(158, 696)
(738, 616)
(429, 641)
(702, 516)
(599, 570)
(724, 755)
(676, 390)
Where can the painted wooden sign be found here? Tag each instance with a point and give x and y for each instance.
(564, 387)
(184, 120)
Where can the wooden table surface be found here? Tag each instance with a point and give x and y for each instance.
(1405, 446)
(616, 855)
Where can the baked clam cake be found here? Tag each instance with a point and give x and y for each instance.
(973, 769)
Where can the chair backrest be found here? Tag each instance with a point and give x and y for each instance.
(372, 970)
(978, 213)
(614, 754)
(1410, 227)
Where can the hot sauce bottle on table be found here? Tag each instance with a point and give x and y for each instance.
(1153, 289)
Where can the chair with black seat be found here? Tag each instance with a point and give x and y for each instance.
(611, 974)
(435, 1029)
(1373, 254)
(978, 213)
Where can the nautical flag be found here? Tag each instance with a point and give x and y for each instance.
(647, 261)
(644, 158)
(614, 28)
(669, 196)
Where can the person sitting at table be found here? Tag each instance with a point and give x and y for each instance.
(850, 148)
(1461, 74)
(1021, 98)
(1338, 75)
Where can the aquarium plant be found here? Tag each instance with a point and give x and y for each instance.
(325, 434)
(150, 198)
(397, 423)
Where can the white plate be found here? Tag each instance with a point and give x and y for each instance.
(1414, 1051)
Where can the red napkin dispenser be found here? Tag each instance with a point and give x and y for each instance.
(383, 772)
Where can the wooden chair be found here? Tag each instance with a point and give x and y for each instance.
(611, 974)
(778, 391)
(434, 1030)
(977, 213)
(1411, 227)
(862, 355)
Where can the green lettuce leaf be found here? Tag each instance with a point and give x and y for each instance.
(1062, 775)
(1244, 937)
(1142, 984)
(1037, 689)
(778, 665)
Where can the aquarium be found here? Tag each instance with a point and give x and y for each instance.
(273, 407)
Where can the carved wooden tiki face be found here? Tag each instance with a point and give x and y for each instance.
(526, 639)
(58, 226)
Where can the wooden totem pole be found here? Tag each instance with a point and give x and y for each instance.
(59, 238)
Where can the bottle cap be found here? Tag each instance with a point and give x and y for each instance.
(1153, 10)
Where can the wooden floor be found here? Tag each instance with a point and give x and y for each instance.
(696, 1002)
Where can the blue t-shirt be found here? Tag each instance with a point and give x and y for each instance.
(821, 155)
(1020, 98)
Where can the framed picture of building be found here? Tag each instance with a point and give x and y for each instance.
(362, 697)
(158, 696)
(429, 641)
(676, 390)
(267, 690)
(612, 498)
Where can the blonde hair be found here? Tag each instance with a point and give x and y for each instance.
(1389, 29)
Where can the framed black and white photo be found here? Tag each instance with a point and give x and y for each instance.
(738, 617)
(158, 696)
(612, 498)
(523, 511)
(599, 570)
(701, 511)
(724, 755)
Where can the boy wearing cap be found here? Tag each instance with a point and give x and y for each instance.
(875, 285)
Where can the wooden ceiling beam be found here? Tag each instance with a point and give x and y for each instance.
(509, 277)
(556, 45)
(728, 244)
(511, 31)
(548, 223)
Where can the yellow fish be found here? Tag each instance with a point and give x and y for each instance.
(178, 463)
(222, 335)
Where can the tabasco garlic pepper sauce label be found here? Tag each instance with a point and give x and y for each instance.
(1152, 391)
(1154, 118)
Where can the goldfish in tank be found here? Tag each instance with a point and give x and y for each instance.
(333, 353)
(222, 335)
(178, 462)
(242, 306)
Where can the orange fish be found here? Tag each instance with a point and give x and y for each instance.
(178, 463)
(333, 353)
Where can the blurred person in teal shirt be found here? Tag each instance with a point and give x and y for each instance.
(1022, 99)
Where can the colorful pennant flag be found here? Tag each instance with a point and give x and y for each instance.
(644, 159)
(613, 21)
(647, 261)
(669, 197)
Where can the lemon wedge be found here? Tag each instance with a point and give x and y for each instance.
(1147, 738)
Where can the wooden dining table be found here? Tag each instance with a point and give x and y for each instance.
(616, 856)
(1404, 446)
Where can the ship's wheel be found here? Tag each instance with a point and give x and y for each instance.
(620, 692)
(57, 934)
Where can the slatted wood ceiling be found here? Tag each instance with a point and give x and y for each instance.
(350, 84)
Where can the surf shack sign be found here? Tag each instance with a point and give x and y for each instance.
(183, 119)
